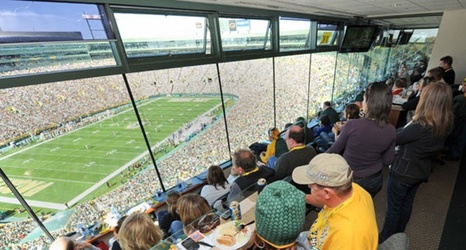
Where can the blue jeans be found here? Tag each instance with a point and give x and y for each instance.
(400, 198)
(372, 184)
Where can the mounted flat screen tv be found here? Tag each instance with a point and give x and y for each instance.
(403, 37)
(358, 38)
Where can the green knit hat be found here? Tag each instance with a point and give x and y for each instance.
(280, 214)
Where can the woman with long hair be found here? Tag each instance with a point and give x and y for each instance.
(167, 217)
(217, 184)
(138, 232)
(368, 144)
(190, 208)
(418, 141)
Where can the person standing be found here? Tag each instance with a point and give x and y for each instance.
(418, 141)
(446, 63)
(329, 111)
(368, 144)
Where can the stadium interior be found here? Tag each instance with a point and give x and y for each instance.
(106, 105)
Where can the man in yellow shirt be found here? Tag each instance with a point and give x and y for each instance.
(347, 219)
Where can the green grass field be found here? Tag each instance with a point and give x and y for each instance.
(60, 169)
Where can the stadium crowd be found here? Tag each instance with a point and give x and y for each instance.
(26, 111)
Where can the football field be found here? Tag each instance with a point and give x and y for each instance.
(68, 167)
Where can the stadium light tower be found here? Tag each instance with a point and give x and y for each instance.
(88, 17)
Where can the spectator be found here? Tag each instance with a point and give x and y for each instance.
(399, 86)
(167, 217)
(457, 139)
(298, 154)
(324, 126)
(325, 140)
(138, 232)
(217, 185)
(245, 165)
(65, 243)
(116, 244)
(368, 144)
(418, 140)
(280, 216)
(347, 219)
(446, 63)
(434, 74)
(330, 112)
(273, 136)
(190, 208)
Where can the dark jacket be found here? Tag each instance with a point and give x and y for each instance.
(248, 182)
(413, 162)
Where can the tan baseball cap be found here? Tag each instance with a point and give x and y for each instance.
(329, 170)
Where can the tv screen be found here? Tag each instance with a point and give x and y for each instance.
(358, 38)
(403, 37)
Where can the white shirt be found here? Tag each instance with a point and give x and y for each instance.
(211, 194)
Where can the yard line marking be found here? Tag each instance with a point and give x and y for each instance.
(52, 179)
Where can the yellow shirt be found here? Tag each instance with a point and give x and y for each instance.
(351, 225)
(270, 151)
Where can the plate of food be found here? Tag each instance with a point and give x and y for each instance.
(227, 237)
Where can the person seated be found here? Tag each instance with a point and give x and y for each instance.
(273, 136)
(352, 111)
(116, 244)
(280, 216)
(217, 185)
(138, 232)
(298, 155)
(325, 140)
(245, 165)
(399, 86)
(167, 217)
(330, 112)
(280, 147)
(324, 126)
(308, 134)
(66, 243)
(347, 220)
(190, 208)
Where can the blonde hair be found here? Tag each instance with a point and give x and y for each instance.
(139, 232)
(191, 207)
(435, 109)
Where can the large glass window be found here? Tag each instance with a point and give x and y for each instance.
(292, 81)
(72, 149)
(322, 78)
(48, 37)
(250, 83)
(163, 35)
(183, 120)
(245, 34)
(294, 34)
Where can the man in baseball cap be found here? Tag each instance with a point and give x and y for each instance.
(347, 219)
